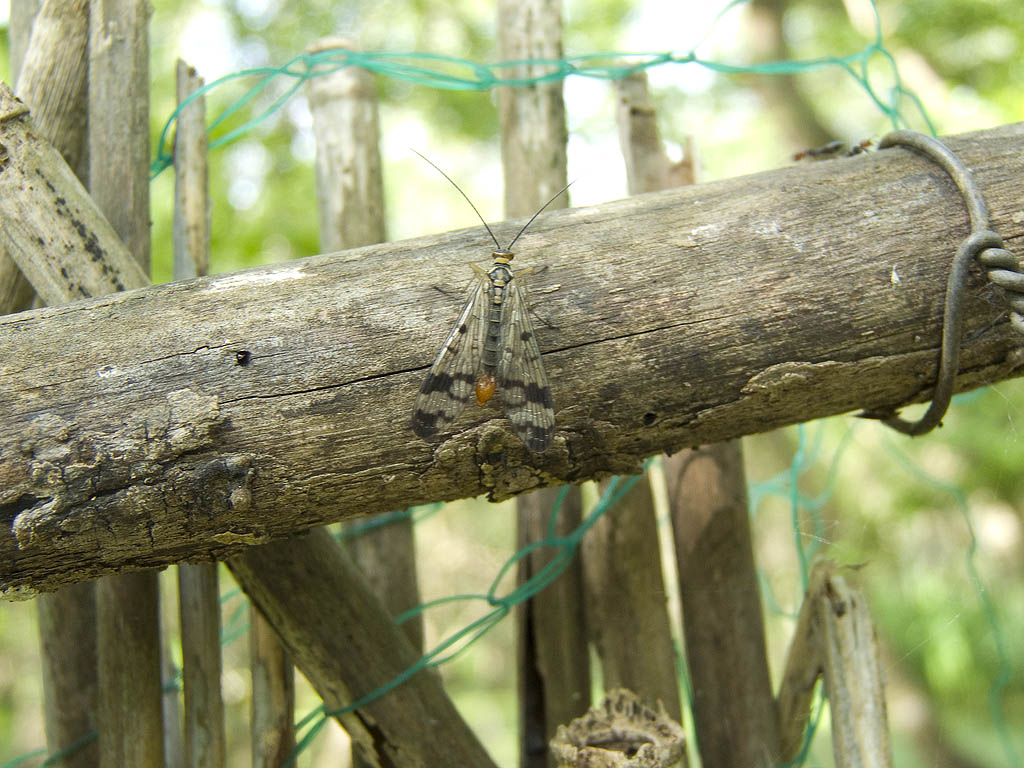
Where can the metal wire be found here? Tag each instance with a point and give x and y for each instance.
(982, 244)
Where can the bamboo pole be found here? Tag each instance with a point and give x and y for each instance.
(677, 318)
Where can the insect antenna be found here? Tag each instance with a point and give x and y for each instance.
(496, 244)
(538, 213)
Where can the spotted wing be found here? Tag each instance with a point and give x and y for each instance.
(452, 377)
(524, 386)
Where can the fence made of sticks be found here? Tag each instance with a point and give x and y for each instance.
(231, 418)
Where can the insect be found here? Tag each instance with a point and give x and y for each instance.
(491, 347)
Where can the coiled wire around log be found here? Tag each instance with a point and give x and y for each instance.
(982, 244)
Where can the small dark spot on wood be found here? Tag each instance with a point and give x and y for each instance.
(839, 609)
(242, 357)
(40, 240)
(5, 159)
(650, 418)
(64, 272)
(91, 243)
(41, 175)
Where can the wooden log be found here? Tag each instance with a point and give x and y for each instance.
(343, 640)
(129, 723)
(191, 180)
(119, 133)
(67, 633)
(199, 604)
(552, 656)
(349, 179)
(626, 604)
(279, 398)
(53, 79)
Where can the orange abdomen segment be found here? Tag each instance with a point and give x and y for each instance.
(485, 386)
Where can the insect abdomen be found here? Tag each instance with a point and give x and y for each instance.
(500, 277)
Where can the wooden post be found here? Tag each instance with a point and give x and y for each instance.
(342, 638)
(130, 726)
(198, 589)
(626, 604)
(349, 181)
(48, 58)
(273, 695)
(626, 601)
(718, 586)
(199, 599)
(350, 200)
(553, 660)
(552, 657)
(724, 626)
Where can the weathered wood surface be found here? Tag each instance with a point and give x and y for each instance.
(627, 605)
(51, 228)
(186, 420)
(130, 718)
(723, 623)
(350, 203)
(348, 646)
(272, 725)
(198, 583)
(52, 81)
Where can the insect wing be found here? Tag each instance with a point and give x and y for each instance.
(452, 377)
(524, 386)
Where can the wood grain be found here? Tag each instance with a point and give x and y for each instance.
(347, 645)
(184, 421)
